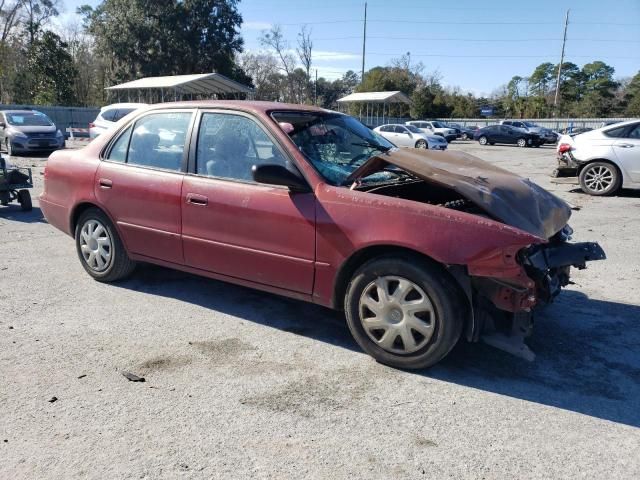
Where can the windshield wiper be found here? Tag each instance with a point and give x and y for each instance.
(375, 146)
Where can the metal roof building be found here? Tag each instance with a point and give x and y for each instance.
(180, 87)
(376, 108)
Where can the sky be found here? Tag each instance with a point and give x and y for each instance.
(474, 45)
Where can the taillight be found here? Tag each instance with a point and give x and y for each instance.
(91, 125)
(564, 147)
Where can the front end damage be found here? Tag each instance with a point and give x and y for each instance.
(503, 308)
(505, 284)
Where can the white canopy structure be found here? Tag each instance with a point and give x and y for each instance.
(181, 87)
(376, 97)
(375, 108)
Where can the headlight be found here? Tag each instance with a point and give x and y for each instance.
(16, 133)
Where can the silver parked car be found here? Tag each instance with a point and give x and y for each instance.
(109, 115)
(23, 131)
(410, 136)
(604, 160)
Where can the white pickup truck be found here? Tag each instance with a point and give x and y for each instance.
(433, 127)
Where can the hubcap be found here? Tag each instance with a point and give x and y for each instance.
(96, 245)
(397, 314)
(598, 178)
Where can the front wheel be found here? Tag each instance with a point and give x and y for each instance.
(100, 249)
(483, 140)
(421, 144)
(9, 147)
(404, 312)
(465, 136)
(600, 179)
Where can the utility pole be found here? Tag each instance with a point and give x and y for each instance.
(364, 41)
(315, 90)
(564, 41)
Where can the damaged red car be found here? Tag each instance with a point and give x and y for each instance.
(418, 247)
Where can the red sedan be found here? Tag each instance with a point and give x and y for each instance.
(418, 247)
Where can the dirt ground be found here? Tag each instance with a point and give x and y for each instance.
(242, 384)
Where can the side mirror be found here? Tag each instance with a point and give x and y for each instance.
(272, 174)
(3, 125)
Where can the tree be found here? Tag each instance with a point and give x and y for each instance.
(51, 71)
(541, 79)
(598, 89)
(304, 50)
(141, 38)
(37, 14)
(632, 96)
(274, 40)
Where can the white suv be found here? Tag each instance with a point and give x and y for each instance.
(604, 160)
(433, 127)
(109, 115)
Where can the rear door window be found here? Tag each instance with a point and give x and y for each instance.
(121, 112)
(616, 132)
(158, 140)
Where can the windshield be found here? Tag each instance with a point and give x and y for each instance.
(335, 144)
(439, 125)
(28, 119)
(413, 129)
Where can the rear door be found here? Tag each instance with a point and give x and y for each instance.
(627, 150)
(403, 136)
(139, 183)
(236, 227)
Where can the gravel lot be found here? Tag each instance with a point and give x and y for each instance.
(242, 384)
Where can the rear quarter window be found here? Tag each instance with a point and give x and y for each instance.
(616, 132)
(109, 114)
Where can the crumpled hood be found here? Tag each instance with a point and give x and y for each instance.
(513, 200)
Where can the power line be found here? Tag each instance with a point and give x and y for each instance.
(438, 22)
(497, 40)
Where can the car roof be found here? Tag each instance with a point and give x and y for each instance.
(252, 106)
(22, 111)
(123, 105)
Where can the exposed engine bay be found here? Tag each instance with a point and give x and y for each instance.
(419, 191)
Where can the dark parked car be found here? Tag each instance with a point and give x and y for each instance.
(504, 134)
(465, 133)
(311, 204)
(23, 131)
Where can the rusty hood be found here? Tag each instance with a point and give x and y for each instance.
(509, 198)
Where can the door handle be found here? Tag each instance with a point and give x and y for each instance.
(105, 183)
(625, 145)
(195, 199)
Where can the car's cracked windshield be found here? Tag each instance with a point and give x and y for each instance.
(336, 144)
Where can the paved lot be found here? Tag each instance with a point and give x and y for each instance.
(242, 384)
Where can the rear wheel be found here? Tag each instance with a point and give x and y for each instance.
(24, 199)
(421, 144)
(600, 179)
(522, 142)
(465, 136)
(9, 147)
(404, 312)
(100, 249)
(483, 140)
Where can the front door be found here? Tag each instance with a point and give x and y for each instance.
(236, 227)
(139, 184)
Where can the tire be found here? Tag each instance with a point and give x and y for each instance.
(440, 323)
(600, 179)
(95, 231)
(465, 136)
(422, 144)
(24, 199)
(522, 142)
(9, 147)
(483, 140)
